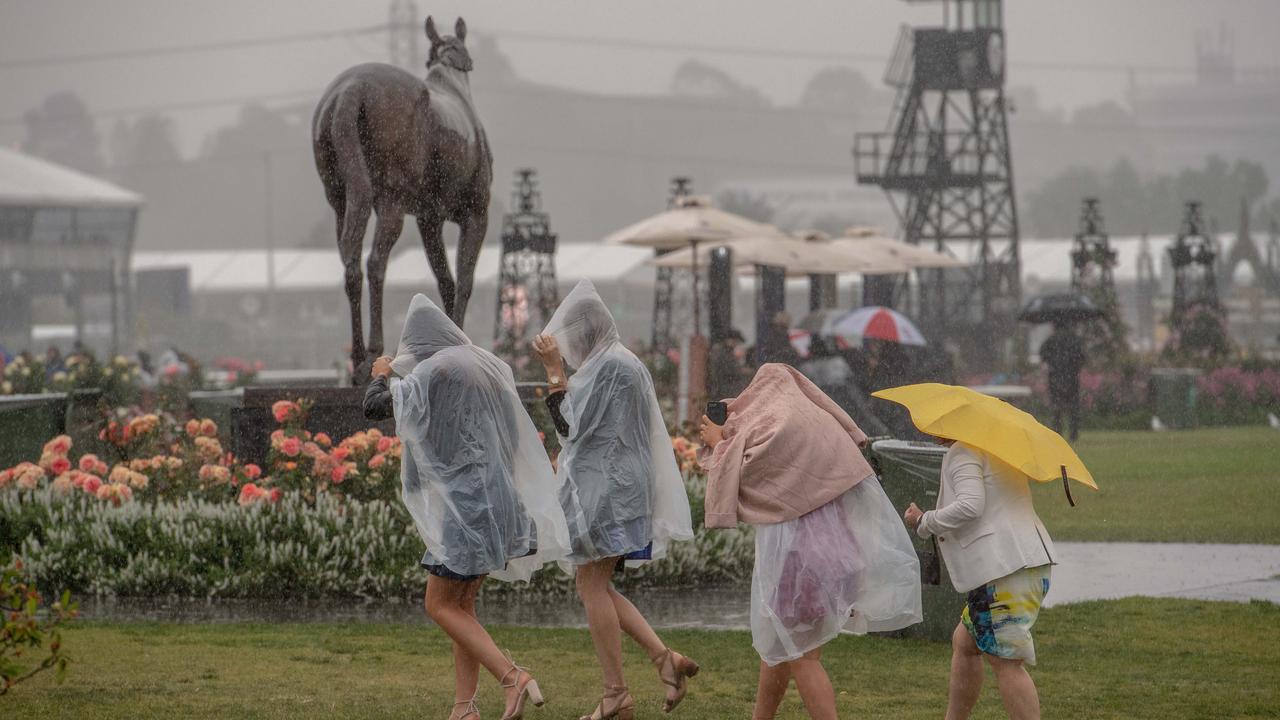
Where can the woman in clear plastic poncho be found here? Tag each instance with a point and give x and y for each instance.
(476, 482)
(620, 488)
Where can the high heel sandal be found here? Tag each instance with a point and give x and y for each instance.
(470, 711)
(675, 674)
(528, 691)
(619, 703)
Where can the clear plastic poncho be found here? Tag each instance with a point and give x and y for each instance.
(476, 478)
(620, 487)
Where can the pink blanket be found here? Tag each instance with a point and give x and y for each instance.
(788, 450)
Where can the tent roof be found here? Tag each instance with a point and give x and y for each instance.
(246, 270)
(30, 181)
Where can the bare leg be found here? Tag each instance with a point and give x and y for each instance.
(1017, 689)
(433, 243)
(446, 603)
(470, 239)
(466, 669)
(602, 617)
(814, 685)
(966, 675)
(385, 235)
(769, 692)
(634, 624)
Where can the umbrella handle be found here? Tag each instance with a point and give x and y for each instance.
(1066, 486)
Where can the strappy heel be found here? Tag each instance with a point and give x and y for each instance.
(529, 691)
(617, 704)
(468, 712)
(675, 675)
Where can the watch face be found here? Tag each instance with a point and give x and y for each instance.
(995, 54)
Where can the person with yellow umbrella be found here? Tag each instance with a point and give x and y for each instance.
(996, 550)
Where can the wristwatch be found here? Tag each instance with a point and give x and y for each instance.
(555, 380)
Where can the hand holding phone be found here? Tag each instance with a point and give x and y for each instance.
(718, 412)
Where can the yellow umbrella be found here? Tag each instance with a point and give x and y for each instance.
(993, 426)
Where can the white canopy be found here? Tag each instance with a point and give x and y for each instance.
(29, 181)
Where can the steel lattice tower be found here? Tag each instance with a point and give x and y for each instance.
(1092, 264)
(665, 284)
(527, 273)
(946, 165)
(1193, 255)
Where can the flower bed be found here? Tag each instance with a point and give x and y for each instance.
(163, 509)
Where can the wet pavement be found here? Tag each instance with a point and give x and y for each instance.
(1086, 571)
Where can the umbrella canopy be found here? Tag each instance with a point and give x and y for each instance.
(694, 220)
(895, 252)
(879, 323)
(993, 426)
(773, 249)
(1065, 307)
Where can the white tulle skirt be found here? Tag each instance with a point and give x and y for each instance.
(847, 566)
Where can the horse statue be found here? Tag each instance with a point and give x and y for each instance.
(386, 141)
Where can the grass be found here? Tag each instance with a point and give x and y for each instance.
(1135, 658)
(1218, 485)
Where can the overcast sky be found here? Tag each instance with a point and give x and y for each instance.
(1074, 53)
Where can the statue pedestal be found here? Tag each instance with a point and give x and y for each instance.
(337, 412)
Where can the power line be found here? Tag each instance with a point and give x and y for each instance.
(567, 39)
(191, 49)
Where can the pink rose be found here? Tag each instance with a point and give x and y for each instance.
(253, 472)
(5, 477)
(340, 453)
(59, 465)
(59, 445)
(63, 483)
(377, 461)
(91, 484)
(208, 428)
(291, 446)
(248, 494)
(323, 440)
(385, 443)
(275, 495)
(193, 427)
(88, 462)
(282, 410)
(338, 474)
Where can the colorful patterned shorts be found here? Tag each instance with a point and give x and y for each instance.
(999, 615)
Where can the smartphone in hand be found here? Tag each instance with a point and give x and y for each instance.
(718, 412)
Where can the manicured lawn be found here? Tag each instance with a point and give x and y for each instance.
(1217, 485)
(1134, 658)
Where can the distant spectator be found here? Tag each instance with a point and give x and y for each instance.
(53, 361)
(727, 373)
(776, 342)
(1064, 353)
(146, 370)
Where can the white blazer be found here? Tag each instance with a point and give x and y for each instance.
(986, 525)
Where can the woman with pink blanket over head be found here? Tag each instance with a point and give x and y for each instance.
(831, 554)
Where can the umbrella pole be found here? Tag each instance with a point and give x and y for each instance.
(1066, 486)
(697, 314)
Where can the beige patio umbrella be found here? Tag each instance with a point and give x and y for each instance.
(871, 242)
(795, 257)
(693, 221)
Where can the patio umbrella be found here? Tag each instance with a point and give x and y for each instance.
(892, 253)
(692, 221)
(772, 249)
(993, 426)
(880, 323)
(1064, 307)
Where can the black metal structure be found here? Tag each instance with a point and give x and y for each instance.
(946, 165)
(720, 293)
(1194, 257)
(666, 285)
(1093, 262)
(527, 275)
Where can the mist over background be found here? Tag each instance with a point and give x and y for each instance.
(204, 108)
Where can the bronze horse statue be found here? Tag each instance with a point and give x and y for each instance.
(388, 141)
